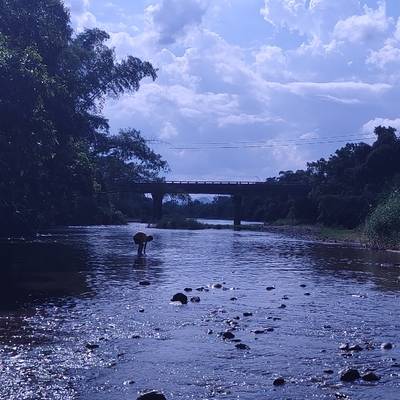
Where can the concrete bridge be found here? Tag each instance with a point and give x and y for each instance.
(236, 189)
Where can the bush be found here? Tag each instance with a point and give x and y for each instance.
(180, 223)
(345, 211)
(382, 228)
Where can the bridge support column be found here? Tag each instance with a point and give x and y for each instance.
(237, 205)
(157, 206)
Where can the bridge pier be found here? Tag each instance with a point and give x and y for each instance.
(237, 205)
(157, 206)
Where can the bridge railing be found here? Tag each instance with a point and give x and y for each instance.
(214, 182)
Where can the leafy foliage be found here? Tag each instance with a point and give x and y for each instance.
(56, 153)
(382, 228)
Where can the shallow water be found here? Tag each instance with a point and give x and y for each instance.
(80, 286)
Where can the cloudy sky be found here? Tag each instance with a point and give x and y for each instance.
(248, 88)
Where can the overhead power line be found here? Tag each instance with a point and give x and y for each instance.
(227, 145)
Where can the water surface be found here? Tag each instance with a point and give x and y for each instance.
(73, 288)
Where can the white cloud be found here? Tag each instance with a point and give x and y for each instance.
(168, 131)
(369, 126)
(172, 18)
(388, 54)
(81, 17)
(366, 27)
(308, 17)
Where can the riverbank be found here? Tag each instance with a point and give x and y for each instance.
(307, 232)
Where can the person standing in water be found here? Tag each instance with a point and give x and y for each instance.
(142, 239)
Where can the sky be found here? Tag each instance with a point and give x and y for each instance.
(248, 88)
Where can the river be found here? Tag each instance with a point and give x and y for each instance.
(76, 324)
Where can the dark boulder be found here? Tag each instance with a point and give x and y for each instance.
(217, 286)
(279, 381)
(270, 288)
(370, 377)
(242, 346)
(187, 289)
(387, 346)
(349, 375)
(195, 299)
(182, 298)
(144, 283)
(153, 395)
(247, 314)
(227, 335)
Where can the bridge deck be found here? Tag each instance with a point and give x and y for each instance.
(218, 187)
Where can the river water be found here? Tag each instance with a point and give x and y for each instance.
(76, 324)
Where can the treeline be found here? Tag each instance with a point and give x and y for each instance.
(345, 188)
(58, 161)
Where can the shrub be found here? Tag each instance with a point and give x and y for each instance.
(382, 227)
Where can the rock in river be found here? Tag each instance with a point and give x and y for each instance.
(217, 286)
(242, 346)
(279, 381)
(227, 335)
(188, 289)
(180, 297)
(247, 314)
(270, 288)
(349, 375)
(387, 346)
(195, 299)
(370, 377)
(154, 395)
(144, 283)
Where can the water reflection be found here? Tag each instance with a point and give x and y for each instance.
(80, 286)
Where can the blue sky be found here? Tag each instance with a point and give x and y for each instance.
(248, 88)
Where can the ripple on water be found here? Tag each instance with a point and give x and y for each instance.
(89, 330)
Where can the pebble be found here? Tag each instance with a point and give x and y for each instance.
(180, 297)
(279, 381)
(247, 314)
(270, 288)
(349, 375)
(307, 294)
(153, 395)
(141, 309)
(187, 289)
(227, 335)
(387, 346)
(91, 346)
(233, 298)
(242, 346)
(282, 306)
(303, 285)
(195, 299)
(370, 377)
(144, 283)
(217, 286)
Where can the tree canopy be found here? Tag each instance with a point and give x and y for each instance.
(56, 152)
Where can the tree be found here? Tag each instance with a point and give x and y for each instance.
(53, 134)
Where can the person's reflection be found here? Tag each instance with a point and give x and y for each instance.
(140, 262)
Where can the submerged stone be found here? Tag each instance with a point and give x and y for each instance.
(187, 289)
(387, 346)
(242, 346)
